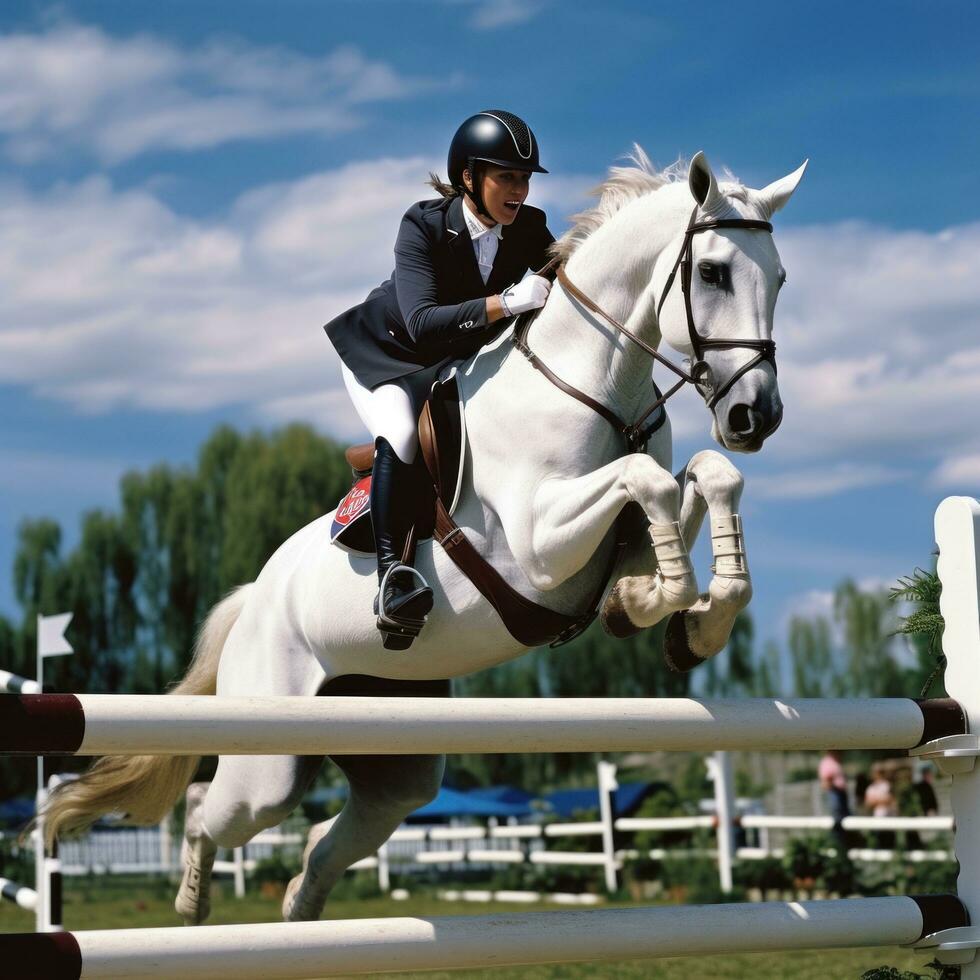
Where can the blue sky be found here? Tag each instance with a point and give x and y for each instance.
(187, 191)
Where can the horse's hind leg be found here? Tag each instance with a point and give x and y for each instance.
(384, 790)
(248, 794)
(710, 483)
(193, 902)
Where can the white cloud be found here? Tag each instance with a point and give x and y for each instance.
(801, 484)
(109, 298)
(877, 333)
(493, 14)
(40, 476)
(958, 473)
(809, 605)
(75, 86)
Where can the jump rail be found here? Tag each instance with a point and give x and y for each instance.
(20, 895)
(15, 684)
(120, 724)
(305, 950)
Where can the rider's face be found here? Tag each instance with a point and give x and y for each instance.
(504, 191)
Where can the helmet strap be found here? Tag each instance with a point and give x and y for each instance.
(476, 195)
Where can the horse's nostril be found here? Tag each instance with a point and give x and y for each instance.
(740, 419)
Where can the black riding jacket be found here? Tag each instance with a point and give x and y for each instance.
(434, 305)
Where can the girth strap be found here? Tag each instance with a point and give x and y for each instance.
(526, 621)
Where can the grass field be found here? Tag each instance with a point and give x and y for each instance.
(119, 903)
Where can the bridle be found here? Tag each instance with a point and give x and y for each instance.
(637, 433)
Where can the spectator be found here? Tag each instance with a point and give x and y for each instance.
(922, 801)
(833, 781)
(880, 800)
(924, 791)
(861, 783)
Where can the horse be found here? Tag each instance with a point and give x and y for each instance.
(546, 476)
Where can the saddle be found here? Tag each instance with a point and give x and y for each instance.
(442, 427)
(442, 437)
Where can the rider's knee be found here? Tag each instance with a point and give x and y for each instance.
(402, 436)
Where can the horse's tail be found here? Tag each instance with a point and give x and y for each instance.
(145, 787)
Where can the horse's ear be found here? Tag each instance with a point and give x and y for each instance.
(701, 180)
(775, 195)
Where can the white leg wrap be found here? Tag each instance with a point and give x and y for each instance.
(728, 547)
(675, 586)
(644, 600)
(673, 560)
(193, 902)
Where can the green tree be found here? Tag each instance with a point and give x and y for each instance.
(767, 677)
(811, 657)
(868, 624)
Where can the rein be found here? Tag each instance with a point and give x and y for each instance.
(700, 375)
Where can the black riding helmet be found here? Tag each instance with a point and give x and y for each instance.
(492, 136)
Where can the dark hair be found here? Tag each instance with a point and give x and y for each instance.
(438, 184)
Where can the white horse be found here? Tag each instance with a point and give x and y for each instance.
(545, 479)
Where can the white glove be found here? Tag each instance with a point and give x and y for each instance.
(530, 293)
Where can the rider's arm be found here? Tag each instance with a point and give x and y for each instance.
(495, 309)
(438, 330)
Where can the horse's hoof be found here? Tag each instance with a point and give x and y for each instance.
(678, 655)
(614, 618)
(290, 905)
(294, 907)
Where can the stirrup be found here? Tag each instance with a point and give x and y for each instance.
(398, 629)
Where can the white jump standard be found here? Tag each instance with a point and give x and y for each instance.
(120, 724)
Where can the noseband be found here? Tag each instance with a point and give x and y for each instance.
(637, 435)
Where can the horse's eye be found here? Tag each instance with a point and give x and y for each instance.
(712, 273)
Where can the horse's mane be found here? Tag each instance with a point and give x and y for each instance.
(626, 184)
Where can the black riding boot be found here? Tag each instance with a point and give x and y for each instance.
(404, 597)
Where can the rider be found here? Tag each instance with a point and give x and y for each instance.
(459, 263)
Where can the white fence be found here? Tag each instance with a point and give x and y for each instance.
(458, 849)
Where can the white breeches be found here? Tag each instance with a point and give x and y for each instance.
(392, 410)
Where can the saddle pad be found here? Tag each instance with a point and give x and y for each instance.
(351, 527)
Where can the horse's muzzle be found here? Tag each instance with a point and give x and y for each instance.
(748, 426)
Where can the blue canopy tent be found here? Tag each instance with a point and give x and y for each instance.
(502, 794)
(17, 811)
(453, 803)
(626, 800)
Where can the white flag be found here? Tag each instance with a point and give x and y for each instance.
(51, 640)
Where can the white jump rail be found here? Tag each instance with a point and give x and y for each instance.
(15, 684)
(20, 895)
(306, 950)
(93, 725)
(122, 724)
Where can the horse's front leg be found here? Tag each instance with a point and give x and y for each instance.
(572, 517)
(710, 483)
